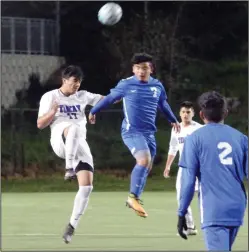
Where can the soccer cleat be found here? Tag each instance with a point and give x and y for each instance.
(67, 237)
(134, 203)
(191, 231)
(70, 174)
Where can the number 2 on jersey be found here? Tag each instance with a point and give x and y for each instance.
(227, 149)
(154, 90)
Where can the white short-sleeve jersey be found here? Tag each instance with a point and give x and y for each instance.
(177, 139)
(71, 109)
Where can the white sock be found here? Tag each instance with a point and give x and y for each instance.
(189, 218)
(80, 204)
(71, 145)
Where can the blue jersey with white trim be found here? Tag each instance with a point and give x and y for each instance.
(218, 155)
(140, 102)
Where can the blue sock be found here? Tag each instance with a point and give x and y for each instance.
(144, 181)
(137, 178)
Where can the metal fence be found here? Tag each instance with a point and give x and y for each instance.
(26, 149)
(28, 36)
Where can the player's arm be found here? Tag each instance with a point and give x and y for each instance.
(47, 111)
(165, 108)
(173, 149)
(163, 105)
(115, 95)
(190, 168)
(91, 98)
(189, 163)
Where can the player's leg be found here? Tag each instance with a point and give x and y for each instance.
(233, 234)
(217, 238)
(189, 216)
(58, 145)
(147, 174)
(140, 150)
(151, 141)
(84, 171)
(71, 137)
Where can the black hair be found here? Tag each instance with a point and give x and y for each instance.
(213, 105)
(72, 71)
(187, 104)
(141, 58)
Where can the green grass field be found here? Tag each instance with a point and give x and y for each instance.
(36, 221)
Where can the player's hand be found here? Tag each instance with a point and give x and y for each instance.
(166, 172)
(182, 226)
(55, 106)
(92, 118)
(176, 126)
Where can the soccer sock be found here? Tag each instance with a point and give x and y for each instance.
(137, 178)
(189, 218)
(71, 145)
(144, 181)
(80, 204)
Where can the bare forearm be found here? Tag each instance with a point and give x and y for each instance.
(170, 160)
(45, 120)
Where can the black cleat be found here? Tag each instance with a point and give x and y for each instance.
(67, 237)
(70, 175)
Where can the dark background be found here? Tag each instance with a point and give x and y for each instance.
(197, 46)
(208, 31)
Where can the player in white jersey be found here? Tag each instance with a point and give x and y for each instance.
(63, 110)
(176, 144)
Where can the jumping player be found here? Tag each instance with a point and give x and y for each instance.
(63, 110)
(176, 144)
(141, 95)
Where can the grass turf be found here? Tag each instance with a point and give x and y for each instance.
(36, 221)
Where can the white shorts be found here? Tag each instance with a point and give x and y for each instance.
(83, 153)
(178, 182)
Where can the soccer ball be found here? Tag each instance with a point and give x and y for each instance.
(110, 14)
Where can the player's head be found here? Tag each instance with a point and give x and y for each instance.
(142, 66)
(186, 111)
(72, 76)
(213, 107)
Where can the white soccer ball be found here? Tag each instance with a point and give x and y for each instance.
(110, 14)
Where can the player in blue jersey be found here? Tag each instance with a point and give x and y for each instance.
(218, 155)
(142, 95)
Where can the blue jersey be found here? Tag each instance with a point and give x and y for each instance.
(217, 155)
(140, 103)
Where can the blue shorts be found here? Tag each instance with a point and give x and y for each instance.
(137, 141)
(220, 238)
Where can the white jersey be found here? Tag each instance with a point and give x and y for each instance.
(177, 139)
(71, 109)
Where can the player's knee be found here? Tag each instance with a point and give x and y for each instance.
(84, 173)
(73, 129)
(143, 158)
(144, 161)
(85, 191)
